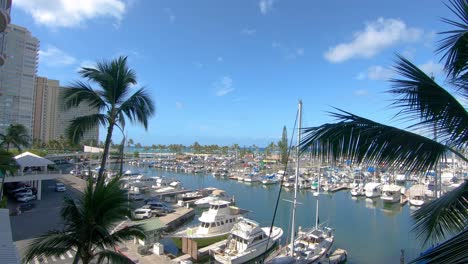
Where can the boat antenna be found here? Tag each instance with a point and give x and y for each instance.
(281, 186)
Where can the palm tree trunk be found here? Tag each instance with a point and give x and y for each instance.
(76, 259)
(105, 153)
(8, 147)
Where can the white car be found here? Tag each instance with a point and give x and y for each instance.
(26, 198)
(23, 192)
(60, 187)
(142, 213)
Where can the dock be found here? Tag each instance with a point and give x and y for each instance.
(177, 218)
(202, 252)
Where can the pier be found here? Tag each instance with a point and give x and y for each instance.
(201, 252)
(175, 219)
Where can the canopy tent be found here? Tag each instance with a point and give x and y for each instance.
(28, 159)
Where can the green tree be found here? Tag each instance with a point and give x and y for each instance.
(270, 149)
(89, 222)
(16, 135)
(283, 146)
(430, 109)
(137, 145)
(130, 143)
(7, 166)
(112, 101)
(196, 147)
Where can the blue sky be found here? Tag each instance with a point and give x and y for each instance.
(224, 72)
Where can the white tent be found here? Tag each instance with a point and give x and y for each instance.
(28, 159)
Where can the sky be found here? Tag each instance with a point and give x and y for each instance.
(225, 72)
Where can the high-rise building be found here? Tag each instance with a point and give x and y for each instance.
(5, 8)
(45, 108)
(17, 78)
(51, 118)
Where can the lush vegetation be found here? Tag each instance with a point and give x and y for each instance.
(112, 100)
(431, 109)
(89, 223)
(16, 135)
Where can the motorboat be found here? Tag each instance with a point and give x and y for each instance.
(247, 241)
(215, 224)
(417, 194)
(214, 196)
(373, 189)
(391, 193)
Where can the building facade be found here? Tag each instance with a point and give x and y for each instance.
(18, 77)
(5, 9)
(51, 118)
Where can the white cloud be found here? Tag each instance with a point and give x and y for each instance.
(361, 92)
(224, 86)
(376, 73)
(376, 36)
(248, 31)
(87, 64)
(266, 6)
(431, 68)
(179, 105)
(71, 13)
(170, 14)
(53, 56)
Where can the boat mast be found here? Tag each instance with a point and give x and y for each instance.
(293, 220)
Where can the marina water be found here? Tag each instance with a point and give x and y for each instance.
(370, 231)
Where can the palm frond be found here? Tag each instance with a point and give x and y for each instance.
(454, 250)
(138, 107)
(363, 140)
(80, 125)
(455, 44)
(80, 92)
(129, 232)
(112, 257)
(443, 217)
(53, 243)
(423, 101)
(7, 162)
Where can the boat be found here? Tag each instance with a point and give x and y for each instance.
(391, 193)
(417, 195)
(309, 245)
(358, 191)
(270, 179)
(195, 195)
(214, 196)
(400, 178)
(215, 224)
(373, 189)
(247, 241)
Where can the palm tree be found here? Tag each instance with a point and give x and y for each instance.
(112, 100)
(430, 109)
(16, 135)
(89, 221)
(7, 165)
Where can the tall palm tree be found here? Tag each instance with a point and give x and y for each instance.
(7, 166)
(16, 135)
(430, 109)
(112, 100)
(89, 221)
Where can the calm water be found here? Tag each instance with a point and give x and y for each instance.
(370, 231)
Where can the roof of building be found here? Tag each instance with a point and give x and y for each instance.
(28, 159)
(152, 224)
(8, 251)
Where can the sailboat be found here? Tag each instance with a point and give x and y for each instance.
(310, 245)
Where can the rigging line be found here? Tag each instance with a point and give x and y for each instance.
(281, 185)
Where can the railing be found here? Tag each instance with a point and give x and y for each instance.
(26, 173)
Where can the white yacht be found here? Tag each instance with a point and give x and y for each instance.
(247, 241)
(270, 179)
(214, 196)
(215, 224)
(373, 189)
(391, 193)
(358, 191)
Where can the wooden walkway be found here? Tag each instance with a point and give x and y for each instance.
(177, 218)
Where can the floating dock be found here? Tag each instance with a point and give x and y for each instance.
(339, 188)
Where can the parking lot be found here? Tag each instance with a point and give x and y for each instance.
(43, 216)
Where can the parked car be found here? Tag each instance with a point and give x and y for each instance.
(60, 187)
(160, 208)
(18, 189)
(26, 198)
(142, 213)
(23, 192)
(136, 196)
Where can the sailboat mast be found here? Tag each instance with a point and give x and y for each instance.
(316, 214)
(293, 220)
